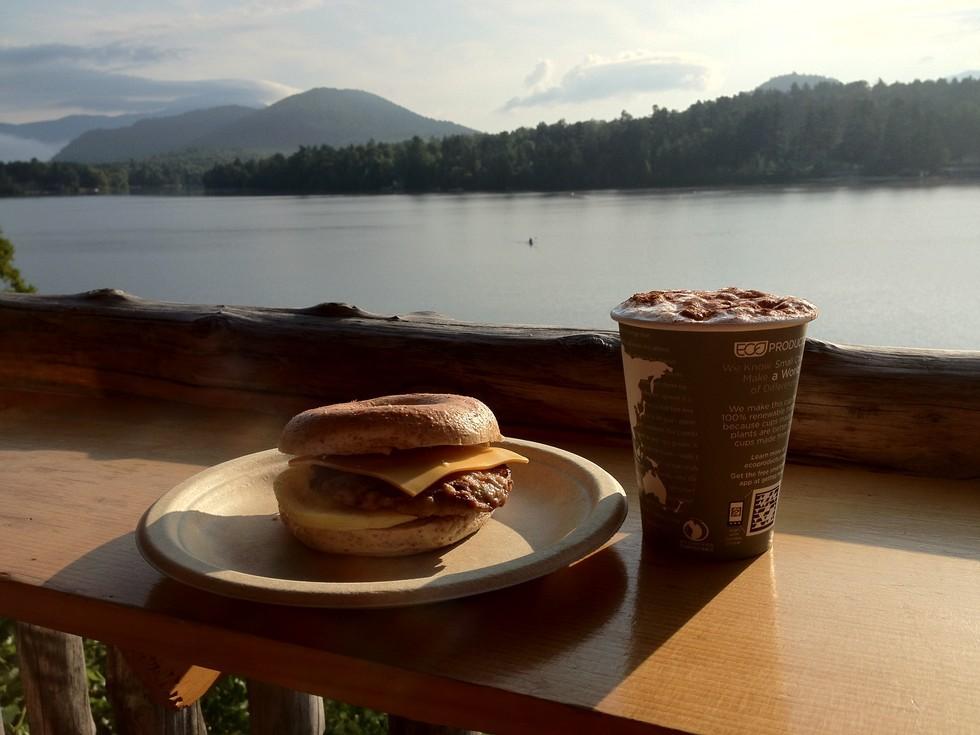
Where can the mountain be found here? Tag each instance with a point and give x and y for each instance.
(66, 128)
(150, 137)
(334, 117)
(44, 138)
(785, 82)
(322, 116)
(972, 74)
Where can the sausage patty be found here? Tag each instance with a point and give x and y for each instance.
(460, 494)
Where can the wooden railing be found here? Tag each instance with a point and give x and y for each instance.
(906, 410)
(909, 410)
(56, 695)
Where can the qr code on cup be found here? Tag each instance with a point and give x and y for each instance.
(763, 510)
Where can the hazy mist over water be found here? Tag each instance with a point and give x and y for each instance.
(887, 265)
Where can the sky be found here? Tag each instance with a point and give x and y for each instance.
(489, 65)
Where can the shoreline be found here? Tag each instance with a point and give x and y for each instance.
(841, 181)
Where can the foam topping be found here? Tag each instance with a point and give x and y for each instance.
(724, 306)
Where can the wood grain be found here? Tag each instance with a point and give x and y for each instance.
(138, 713)
(863, 618)
(273, 710)
(52, 674)
(401, 726)
(912, 410)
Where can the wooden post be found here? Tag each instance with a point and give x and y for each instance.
(136, 713)
(52, 672)
(403, 726)
(273, 710)
(168, 682)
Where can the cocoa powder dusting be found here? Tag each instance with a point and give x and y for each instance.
(723, 305)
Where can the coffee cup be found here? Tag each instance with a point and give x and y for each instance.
(711, 379)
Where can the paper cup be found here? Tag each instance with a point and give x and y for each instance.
(710, 409)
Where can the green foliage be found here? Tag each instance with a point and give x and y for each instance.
(20, 178)
(11, 694)
(10, 278)
(167, 173)
(95, 654)
(346, 719)
(808, 132)
(225, 709)
(225, 706)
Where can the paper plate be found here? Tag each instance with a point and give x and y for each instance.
(220, 531)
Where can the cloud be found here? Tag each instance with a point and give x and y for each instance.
(54, 79)
(598, 78)
(138, 20)
(107, 55)
(97, 91)
(267, 8)
(13, 148)
(540, 74)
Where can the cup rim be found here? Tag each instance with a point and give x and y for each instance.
(764, 326)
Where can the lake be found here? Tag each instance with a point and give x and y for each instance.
(887, 265)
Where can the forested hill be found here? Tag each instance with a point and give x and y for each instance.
(334, 117)
(319, 116)
(828, 130)
(150, 137)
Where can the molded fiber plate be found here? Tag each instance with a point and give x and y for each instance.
(220, 531)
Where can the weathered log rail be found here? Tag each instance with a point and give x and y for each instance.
(910, 410)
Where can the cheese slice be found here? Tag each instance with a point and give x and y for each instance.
(413, 470)
(316, 510)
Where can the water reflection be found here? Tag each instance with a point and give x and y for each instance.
(468, 256)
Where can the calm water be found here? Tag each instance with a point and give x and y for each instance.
(887, 265)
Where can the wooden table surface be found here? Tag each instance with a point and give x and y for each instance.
(865, 616)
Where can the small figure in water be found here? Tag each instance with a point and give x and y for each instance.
(530, 241)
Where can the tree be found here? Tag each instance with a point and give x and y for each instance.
(809, 132)
(9, 276)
